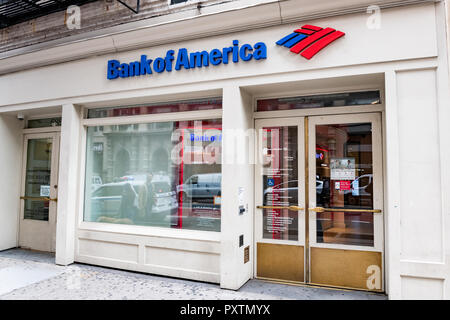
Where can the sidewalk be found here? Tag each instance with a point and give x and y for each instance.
(32, 275)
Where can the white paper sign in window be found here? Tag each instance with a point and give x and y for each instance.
(342, 168)
(45, 191)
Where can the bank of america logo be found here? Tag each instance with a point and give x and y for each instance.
(309, 40)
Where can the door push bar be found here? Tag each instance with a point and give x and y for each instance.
(292, 208)
(39, 198)
(320, 209)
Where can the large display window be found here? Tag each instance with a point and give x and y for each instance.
(161, 174)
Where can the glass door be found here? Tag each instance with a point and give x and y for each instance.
(346, 198)
(334, 169)
(39, 192)
(280, 180)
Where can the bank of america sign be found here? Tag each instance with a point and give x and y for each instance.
(309, 40)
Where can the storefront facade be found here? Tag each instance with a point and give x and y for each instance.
(231, 156)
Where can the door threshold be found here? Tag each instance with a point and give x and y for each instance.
(315, 285)
(34, 250)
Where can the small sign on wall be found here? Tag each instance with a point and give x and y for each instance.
(241, 200)
(246, 254)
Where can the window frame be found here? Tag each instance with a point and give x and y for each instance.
(380, 107)
(138, 119)
(324, 94)
(183, 4)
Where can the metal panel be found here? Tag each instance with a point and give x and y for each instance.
(346, 268)
(281, 262)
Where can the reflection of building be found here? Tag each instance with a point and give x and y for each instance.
(131, 149)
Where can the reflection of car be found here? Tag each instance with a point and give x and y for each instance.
(361, 191)
(201, 187)
(199, 196)
(164, 199)
(107, 198)
(319, 186)
(142, 177)
(291, 187)
(360, 186)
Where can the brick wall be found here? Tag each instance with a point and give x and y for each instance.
(94, 16)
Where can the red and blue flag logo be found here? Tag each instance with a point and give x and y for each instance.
(309, 40)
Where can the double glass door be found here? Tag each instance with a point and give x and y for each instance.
(319, 195)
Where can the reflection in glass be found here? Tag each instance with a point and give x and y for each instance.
(165, 174)
(344, 173)
(42, 123)
(179, 106)
(37, 180)
(280, 182)
(320, 101)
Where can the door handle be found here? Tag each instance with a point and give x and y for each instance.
(39, 198)
(321, 209)
(292, 208)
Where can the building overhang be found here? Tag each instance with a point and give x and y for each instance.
(181, 26)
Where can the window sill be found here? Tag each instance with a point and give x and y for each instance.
(151, 231)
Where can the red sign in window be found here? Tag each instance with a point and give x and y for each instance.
(345, 184)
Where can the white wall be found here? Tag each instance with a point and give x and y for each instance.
(68, 181)
(170, 252)
(394, 41)
(10, 164)
(237, 172)
(418, 154)
(417, 196)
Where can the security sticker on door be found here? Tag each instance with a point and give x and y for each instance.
(45, 191)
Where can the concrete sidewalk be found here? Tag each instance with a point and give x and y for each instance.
(32, 275)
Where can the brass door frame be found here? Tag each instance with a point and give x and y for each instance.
(349, 254)
(300, 208)
(307, 254)
(308, 209)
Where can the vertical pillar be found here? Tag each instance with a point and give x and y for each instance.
(11, 164)
(416, 156)
(443, 96)
(237, 175)
(68, 182)
(392, 187)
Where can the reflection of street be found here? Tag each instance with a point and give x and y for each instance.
(134, 201)
(346, 170)
(200, 188)
(131, 200)
(133, 180)
(199, 201)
